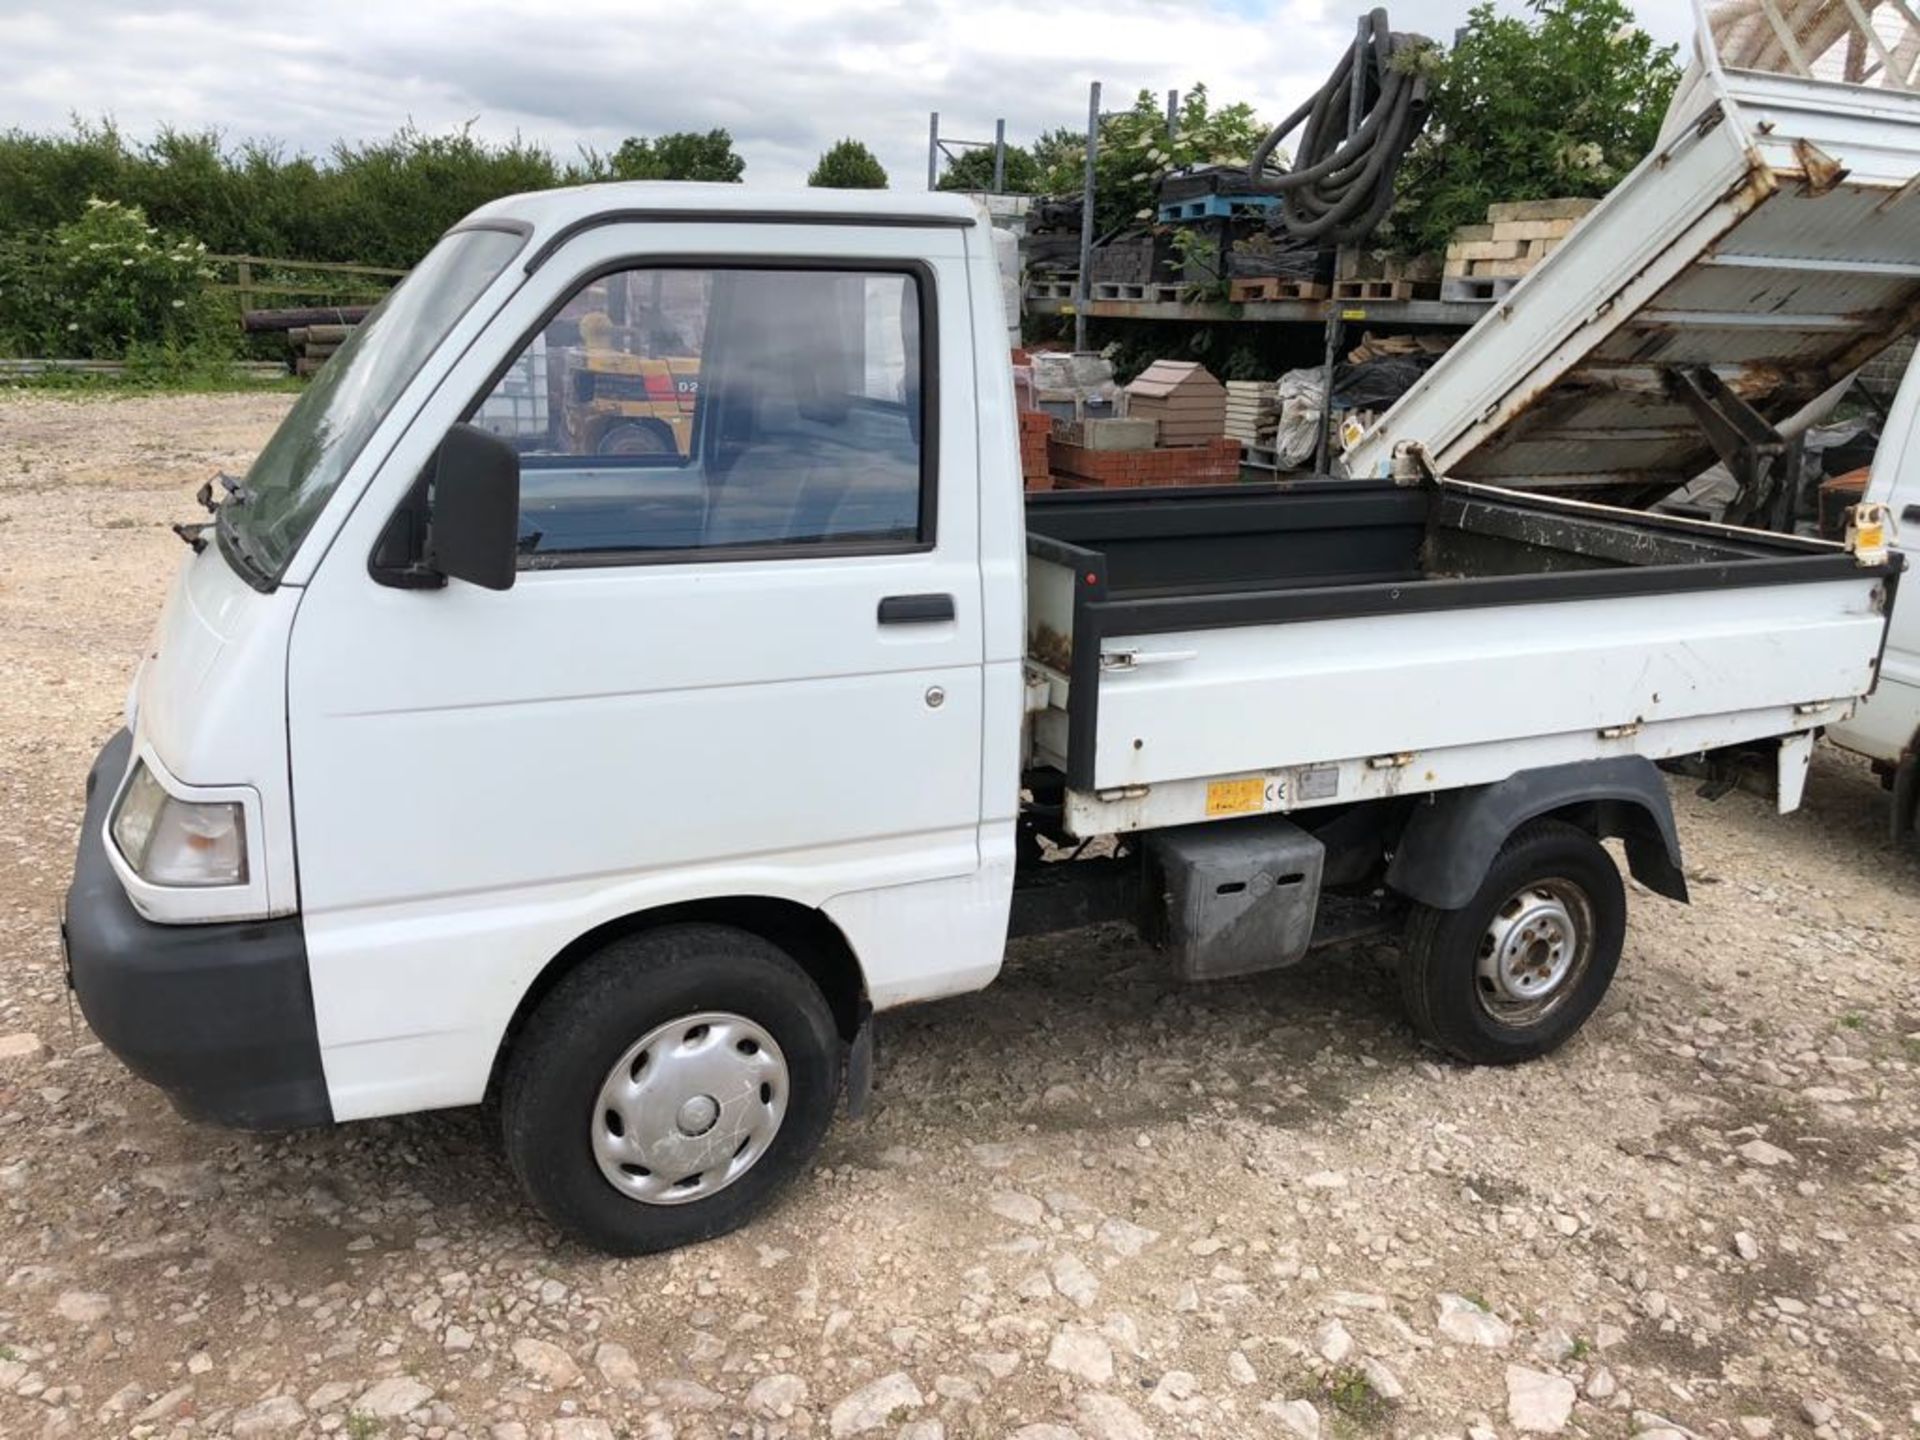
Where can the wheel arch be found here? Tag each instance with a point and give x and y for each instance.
(806, 934)
(1448, 844)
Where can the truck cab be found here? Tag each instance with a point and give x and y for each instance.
(367, 795)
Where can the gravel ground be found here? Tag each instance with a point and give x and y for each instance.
(1089, 1203)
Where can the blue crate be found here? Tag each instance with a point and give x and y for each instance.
(1215, 207)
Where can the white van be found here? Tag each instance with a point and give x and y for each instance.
(1886, 727)
(470, 760)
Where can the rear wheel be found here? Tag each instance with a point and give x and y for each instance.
(666, 1090)
(1513, 973)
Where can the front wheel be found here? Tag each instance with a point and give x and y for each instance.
(666, 1090)
(636, 437)
(1513, 973)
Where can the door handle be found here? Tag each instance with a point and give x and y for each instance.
(1911, 515)
(915, 609)
(1111, 660)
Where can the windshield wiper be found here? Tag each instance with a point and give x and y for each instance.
(196, 535)
(236, 489)
(237, 547)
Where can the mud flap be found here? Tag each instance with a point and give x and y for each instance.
(1903, 816)
(860, 1067)
(1790, 776)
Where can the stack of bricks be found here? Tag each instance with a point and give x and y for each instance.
(1076, 467)
(1253, 410)
(1035, 427)
(1517, 236)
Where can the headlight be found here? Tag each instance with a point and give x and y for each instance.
(179, 842)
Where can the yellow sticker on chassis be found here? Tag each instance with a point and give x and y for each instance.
(1237, 797)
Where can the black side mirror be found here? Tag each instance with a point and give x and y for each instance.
(474, 531)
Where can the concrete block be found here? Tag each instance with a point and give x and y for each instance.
(1567, 209)
(1486, 250)
(1128, 434)
(1532, 229)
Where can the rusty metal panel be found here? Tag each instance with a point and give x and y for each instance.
(1754, 286)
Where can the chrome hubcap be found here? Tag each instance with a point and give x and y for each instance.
(689, 1108)
(1534, 950)
(696, 1117)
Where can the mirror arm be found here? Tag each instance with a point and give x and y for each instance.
(398, 559)
(417, 576)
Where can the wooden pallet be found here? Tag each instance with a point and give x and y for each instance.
(1272, 287)
(1477, 287)
(1385, 290)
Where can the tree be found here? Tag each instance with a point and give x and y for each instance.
(848, 165)
(1056, 148)
(973, 170)
(1135, 152)
(110, 285)
(682, 155)
(1561, 104)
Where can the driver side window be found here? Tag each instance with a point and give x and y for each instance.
(683, 412)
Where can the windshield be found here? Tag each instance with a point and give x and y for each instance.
(292, 477)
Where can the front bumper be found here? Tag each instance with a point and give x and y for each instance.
(219, 1016)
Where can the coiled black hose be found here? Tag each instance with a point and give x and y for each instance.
(1341, 185)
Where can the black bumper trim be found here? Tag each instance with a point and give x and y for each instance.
(220, 1016)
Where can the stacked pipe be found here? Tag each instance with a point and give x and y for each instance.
(313, 345)
(313, 332)
(1359, 126)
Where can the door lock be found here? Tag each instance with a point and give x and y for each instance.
(936, 697)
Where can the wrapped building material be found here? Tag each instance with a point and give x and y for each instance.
(1301, 395)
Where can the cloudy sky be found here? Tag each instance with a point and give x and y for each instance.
(787, 77)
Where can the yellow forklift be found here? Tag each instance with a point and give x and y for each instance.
(615, 401)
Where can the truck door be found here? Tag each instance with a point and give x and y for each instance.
(742, 656)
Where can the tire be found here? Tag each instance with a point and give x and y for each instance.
(708, 1009)
(1480, 982)
(636, 437)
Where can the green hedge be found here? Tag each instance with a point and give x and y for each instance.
(380, 203)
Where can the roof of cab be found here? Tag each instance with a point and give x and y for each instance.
(556, 214)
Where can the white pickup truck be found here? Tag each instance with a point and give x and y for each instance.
(624, 788)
